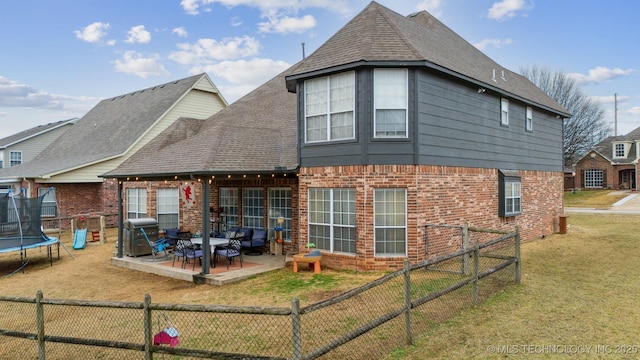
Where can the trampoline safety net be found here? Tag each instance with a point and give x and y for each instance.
(20, 223)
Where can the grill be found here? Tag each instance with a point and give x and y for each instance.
(134, 242)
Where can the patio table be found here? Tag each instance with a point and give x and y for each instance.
(213, 242)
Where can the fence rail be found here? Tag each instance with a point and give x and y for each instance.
(361, 323)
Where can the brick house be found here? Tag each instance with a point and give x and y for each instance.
(106, 136)
(394, 123)
(611, 164)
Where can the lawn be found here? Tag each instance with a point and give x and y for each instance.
(600, 199)
(578, 295)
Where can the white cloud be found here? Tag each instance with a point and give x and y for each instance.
(14, 94)
(505, 9)
(634, 110)
(93, 33)
(287, 24)
(609, 99)
(138, 34)
(496, 43)
(205, 51)
(600, 74)
(431, 6)
(139, 65)
(180, 31)
(190, 6)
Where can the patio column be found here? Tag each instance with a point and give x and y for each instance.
(120, 219)
(206, 226)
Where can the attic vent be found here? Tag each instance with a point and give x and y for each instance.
(502, 76)
(493, 76)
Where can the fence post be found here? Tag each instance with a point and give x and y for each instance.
(148, 325)
(476, 260)
(465, 244)
(40, 325)
(407, 301)
(296, 329)
(517, 250)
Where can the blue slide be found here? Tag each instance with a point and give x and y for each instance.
(79, 239)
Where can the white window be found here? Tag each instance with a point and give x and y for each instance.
(280, 207)
(49, 204)
(329, 108)
(513, 198)
(390, 222)
(253, 208)
(136, 203)
(168, 208)
(229, 202)
(504, 111)
(619, 152)
(391, 103)
(332, 219)
(593, 178)
(1, 159)
(15, 158)
(529, 120)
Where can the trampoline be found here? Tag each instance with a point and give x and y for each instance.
(21, 227)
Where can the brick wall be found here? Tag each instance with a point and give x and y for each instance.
(435, 195)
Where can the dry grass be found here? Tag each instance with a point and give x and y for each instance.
(577, 289)
(90, 276)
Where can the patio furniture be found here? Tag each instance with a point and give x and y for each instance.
(313, 261)
(157, 246)
(258, 240)
(191, 251)
(180, 251)
(230, 251)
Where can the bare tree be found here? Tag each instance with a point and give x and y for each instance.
(587, 126)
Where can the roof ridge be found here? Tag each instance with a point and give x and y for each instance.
(160, 86)
(398, 31)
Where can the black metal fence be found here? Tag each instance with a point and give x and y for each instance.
(365, 323)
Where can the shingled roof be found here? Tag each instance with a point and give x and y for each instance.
(606, 149)
(34, 131)
(257, 133)
(378, 35)
(107, 131)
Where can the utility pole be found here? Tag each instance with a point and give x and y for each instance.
(615, 114)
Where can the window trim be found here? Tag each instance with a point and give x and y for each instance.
(590, 180)
(276, 196)
(615, 150)
(376, 107)
(138, 193)
(331, 214)
(377, 226)
(162, 212)
(248, 217)
(328, 111)
(528, 120)
(504, 112)
(12, 161)
(505, 178)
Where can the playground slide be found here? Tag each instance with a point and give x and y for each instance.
(79, 239)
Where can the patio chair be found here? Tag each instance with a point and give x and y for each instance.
(191, 251)
(258, 240)
(180, 251)
(157, 246)
(230, 251)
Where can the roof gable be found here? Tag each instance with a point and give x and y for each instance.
(32, 132)
(109, 129)
(377, 35)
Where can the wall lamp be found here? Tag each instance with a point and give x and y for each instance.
(481, 90)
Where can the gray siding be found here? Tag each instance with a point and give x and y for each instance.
(450, 124)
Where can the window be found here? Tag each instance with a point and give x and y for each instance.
(504, 112)
(49, 205)
(229, 202)
(391, 103)
(528, 122)
(510, 193)
(136, 203)
(390, 222)
(329, 108)
(619, 152)
(168, 208)
(280, 206)
(332, 219)
(1, 160)
(593, 178)
(253, 208)
(15, 158)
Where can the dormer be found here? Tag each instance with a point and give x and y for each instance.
(621, 149)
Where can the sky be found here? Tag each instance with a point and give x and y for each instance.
(59, 58)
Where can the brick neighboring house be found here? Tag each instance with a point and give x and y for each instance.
(393, 123)
(108, 135)
(611, 164)
(22, 147)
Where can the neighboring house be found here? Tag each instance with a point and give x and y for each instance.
(106, 136)
(392, 124)
(611, 164)
(24, 146)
